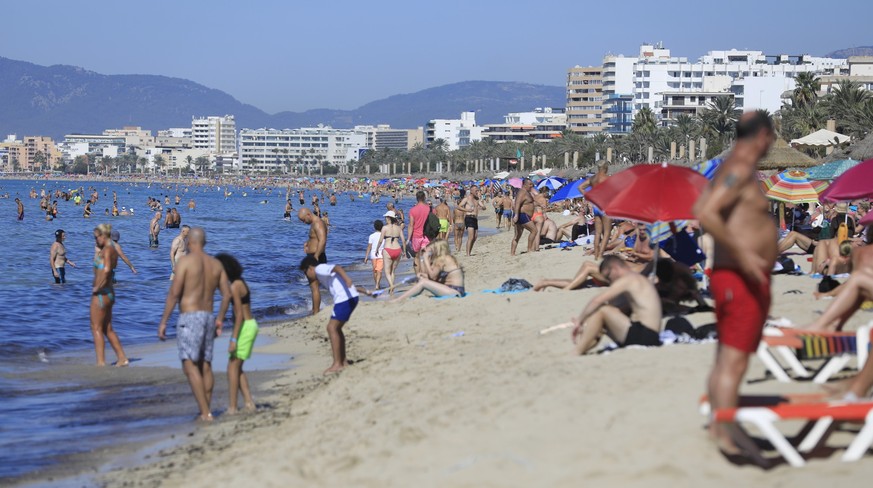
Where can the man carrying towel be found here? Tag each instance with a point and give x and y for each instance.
(734, 211)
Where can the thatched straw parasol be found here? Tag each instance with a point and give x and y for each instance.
(783, 156)
(861, 150)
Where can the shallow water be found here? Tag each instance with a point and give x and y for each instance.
(47, 415)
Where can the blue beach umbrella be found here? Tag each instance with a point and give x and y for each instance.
(552, 183)
(830, 171)
(567, 192)
(707, 168)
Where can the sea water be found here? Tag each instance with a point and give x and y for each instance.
(46, 325)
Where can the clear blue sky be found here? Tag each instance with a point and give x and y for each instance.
(296, 55)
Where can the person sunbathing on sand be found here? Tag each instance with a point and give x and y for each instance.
(862, 258)
(794, 238)
(588, 274)
(832, 258)
(442, 275)
(643, 325)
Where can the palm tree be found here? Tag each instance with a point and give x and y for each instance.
(846, 103)
(202, 163)
(719, 117)
(645, 121)
(806, 91)
(39, 160)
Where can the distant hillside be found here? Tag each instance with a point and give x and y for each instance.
(57, 100)
(852, 51)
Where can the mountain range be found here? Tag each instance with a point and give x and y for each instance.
(57, 100)
(852, 51)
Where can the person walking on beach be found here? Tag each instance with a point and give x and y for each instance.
(392, 244)
(345, 300)
(417, 218)
(103, 297)
(178, 248)
(458, 225)
(522, 212)
(242, 339)
(154, 229)
(198, 276)
(374, 253)
(602, 223)
(58, 257)
(444, 213)
(20, 208)
(472, 204)
(734, 211)
(115, 236)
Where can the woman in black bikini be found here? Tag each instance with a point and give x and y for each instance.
(442, 276)
(395, 243)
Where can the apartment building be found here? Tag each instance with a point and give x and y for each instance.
(382, 136)
(214, 134)
(32, 153)
(618, 93)
(541, 125)
(272, 150)
(133, 136)
(457, 133)
(585, 100)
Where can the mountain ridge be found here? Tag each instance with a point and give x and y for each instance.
(61, 99)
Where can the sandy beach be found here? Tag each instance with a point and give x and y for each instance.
(465, 392)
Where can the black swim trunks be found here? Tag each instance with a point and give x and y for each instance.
(471, 222)
(321, 260)
(287, 215)
(640, 335)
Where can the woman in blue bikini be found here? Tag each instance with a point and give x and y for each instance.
(103, 297)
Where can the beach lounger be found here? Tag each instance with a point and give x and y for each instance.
(792, 346)
(819, 416)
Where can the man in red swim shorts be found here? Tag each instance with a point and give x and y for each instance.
(735, 212)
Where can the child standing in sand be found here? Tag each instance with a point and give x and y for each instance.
(242, 339)
(345, 300)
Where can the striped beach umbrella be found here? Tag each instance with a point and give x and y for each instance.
(707, 168)
(661, 231)
(552, 183)
(793, 187)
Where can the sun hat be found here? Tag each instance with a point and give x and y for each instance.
(391, 214)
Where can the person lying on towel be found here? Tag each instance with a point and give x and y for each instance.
(641, 327)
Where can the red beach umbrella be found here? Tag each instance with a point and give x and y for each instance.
(649, 193)
(854, 184)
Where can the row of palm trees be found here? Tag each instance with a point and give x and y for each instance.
(848, 104)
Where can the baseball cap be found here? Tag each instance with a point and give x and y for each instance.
(115, 235)
(391, 214)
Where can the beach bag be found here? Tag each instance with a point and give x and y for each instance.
(842, 232)
(432, 226)
(827, 284)
(787, 266)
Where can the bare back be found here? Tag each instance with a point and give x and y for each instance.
(200, 276)
(643, 299)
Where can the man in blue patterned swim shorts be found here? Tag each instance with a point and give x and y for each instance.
(198, 275)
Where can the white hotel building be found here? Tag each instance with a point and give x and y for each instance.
(272, 150)
(214, 134)
(756, 80)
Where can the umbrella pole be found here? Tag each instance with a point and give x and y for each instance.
(781, 216)
(654, 274)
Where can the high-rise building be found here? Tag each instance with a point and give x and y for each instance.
(271, 150)
(585, 99)
(214, 134)
(618, 93)
(456, 133)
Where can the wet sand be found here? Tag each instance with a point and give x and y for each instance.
(464, 392)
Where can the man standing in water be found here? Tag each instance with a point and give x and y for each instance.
(314, 248)
(471, 204)
(155, 229)
(20, 209)
(734, 211)
(178, 248)
(198, 276)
